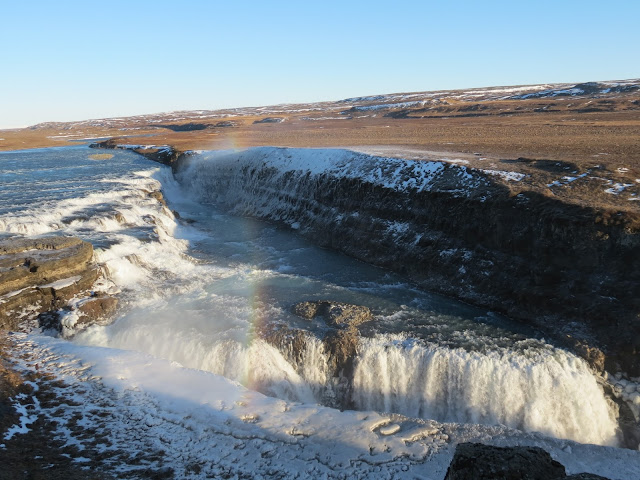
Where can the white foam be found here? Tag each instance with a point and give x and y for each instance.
(548, 391)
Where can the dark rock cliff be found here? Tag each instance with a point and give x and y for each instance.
(572, 271)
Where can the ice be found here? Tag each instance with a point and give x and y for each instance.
(392, 173)
(63, 283)
(197, 417)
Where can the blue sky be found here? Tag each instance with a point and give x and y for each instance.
(69, 60)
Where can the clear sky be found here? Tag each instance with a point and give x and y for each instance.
(74, 60)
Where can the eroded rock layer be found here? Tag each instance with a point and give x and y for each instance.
(40, 277)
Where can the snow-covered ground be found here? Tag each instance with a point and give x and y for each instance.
(146, 412)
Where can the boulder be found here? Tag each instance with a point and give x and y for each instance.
(270, 120)
(87, 311)
(334, 313)
(96, 308)
(475, 461)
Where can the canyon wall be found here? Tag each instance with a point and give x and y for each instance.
(571, 271)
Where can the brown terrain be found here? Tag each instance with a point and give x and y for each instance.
(591, 128)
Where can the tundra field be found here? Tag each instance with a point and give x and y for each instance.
(589, 133)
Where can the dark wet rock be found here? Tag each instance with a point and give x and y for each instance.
(158, 196)
(629, 426)
(164, 154)
(338, 336)
(291, 342)
(475, 461)
(593, 355)
(40, 276)
(181, 218)
(97, 308)
(341, 340)
(333, 313)
(341, 347)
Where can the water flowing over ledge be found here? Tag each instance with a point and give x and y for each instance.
(456, 230)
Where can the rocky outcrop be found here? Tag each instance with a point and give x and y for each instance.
(335, 314)
(46, 275)
(185, 127)
(475, 461)
(332, 325)
(584, 476)
(225, 124)
(164, 154)
(572, 271)
(341, 340)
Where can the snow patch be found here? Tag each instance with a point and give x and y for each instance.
(618, 188)
(509, 176)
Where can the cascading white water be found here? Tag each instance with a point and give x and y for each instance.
(549, 390)
(546, 390)
(254, 363)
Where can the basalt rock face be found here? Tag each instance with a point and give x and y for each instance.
(475, 461)
(332, 332)
(41, 276)
(570, 270)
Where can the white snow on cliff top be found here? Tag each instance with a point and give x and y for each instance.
(394, 173)
(199, 418)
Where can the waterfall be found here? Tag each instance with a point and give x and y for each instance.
(547, 390)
